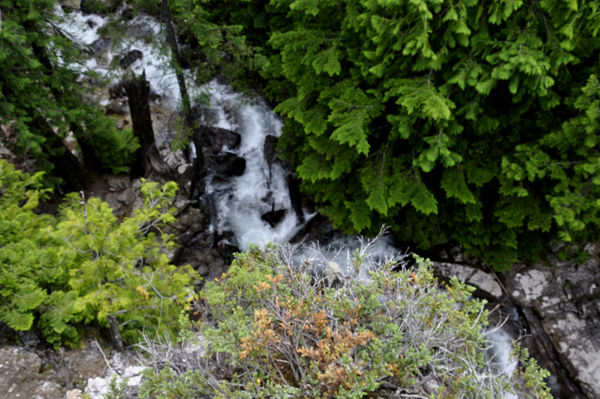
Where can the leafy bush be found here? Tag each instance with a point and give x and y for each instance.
(312, 332)
(84, 265)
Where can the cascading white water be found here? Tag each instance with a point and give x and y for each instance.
(241, 201)
(144, 33)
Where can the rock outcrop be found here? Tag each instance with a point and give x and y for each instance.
(553, 308)
(565, 295)
(486, 284)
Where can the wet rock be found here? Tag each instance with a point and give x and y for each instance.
(208, 255)
(318, 228)
(101, 50)
(130, 58)
(486, 284)
(180, 203)
(226, 251)
(141, 28)
(189, 224)
(189, 217)
(269, 149)
(127, 196)
(229, 165)
(202, 269)
(117, 91)
(273, 218)
(116, 107)
(176, 160)
(295, 197)
(117, 183)
(101, 45)
(214, 140)
(205, 115)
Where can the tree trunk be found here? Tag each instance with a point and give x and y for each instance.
(148, 159)
(188, 120)
(66, 165)
(115, 334)
(165, 13)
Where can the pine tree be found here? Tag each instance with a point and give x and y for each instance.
(460, 121)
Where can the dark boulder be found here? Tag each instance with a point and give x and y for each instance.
(295, 197)
(213, 139)
(269, 148)
(130, 58)
(101, 45)
(273, 218)
(117, 91)
(127, 14)
(230, 164)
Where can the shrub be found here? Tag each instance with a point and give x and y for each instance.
(85, 265)
(306, 331)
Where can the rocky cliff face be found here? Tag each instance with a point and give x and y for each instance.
(565, 297)
(552, 308)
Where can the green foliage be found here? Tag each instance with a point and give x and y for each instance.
(116, 389)
(309, 333)
(39, 87)
(85, 265)
(27, 261)
(465, 121)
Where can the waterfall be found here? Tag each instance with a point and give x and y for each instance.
(243, 200)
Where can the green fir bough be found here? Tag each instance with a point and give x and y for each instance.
(454, 121)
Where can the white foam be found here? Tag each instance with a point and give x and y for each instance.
(243, 200)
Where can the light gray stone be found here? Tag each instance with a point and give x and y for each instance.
(481, 280)
(117, 183)
(564, 295)
(127, 196)
(530, 285)
(181, 169)
(74, 394)
(120, 362)
(97, 387)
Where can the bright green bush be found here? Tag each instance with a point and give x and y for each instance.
(85, 264)
(281, 331)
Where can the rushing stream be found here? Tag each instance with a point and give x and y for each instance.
(241, 201)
